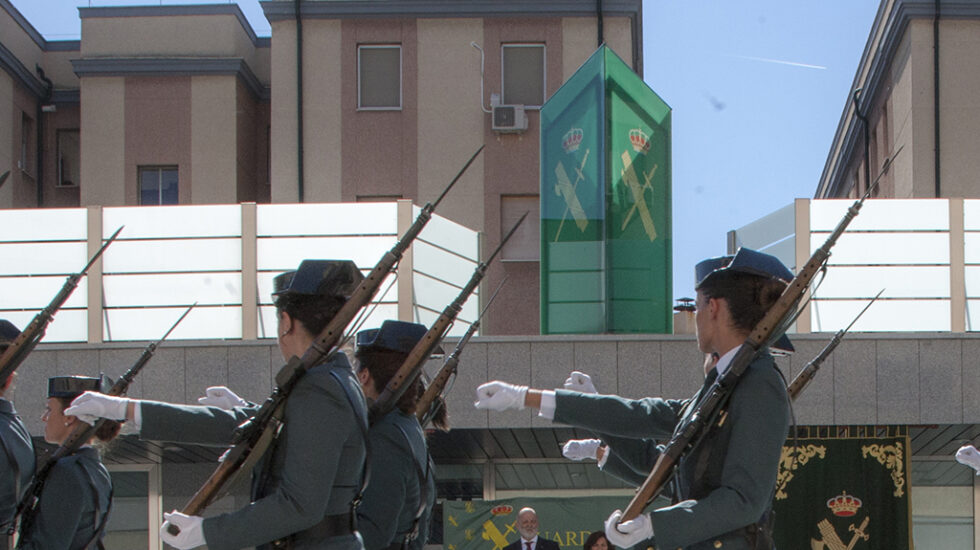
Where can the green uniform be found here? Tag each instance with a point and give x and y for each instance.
(73, 505)
(16, 465)
(399, 458)
(726, 483)
(316, 464)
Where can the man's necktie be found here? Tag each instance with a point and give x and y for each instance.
(527, 545)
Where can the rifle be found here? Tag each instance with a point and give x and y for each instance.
(427, 406)
(768, 329)
(32, 334)
(258, 431)
(410, 369)
(82, 432)
(810, 369)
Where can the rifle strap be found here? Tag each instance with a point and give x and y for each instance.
(362, 423)
(423, 476)
(100, 526)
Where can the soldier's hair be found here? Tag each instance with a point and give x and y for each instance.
(383, 364)
(313, 311)
(594, 538)
(749, 296)
(106, 432)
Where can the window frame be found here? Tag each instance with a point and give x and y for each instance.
(60, 182)
(159, 169)
(401, 98)
(544, 71)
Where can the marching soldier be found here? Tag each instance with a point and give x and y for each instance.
(16, 447)
(724, 485)
(73, 506)
(306, 482)
(398, 501)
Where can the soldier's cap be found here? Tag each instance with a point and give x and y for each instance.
(73, 386)
(400, 336)
(319, 278)
(745, 260)
(8, 332)
(751, 262)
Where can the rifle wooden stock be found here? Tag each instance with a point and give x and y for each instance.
(261, 427)
(423, 407)
(811, 368)
(410, 369)
(765, 331)
(29, 338)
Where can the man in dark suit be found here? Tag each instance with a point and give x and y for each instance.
(527, 526)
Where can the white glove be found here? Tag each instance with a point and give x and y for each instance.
(629, 533)
(500, 396)
(191, 531)
(91, 406)
(968, 455)
(221, 397)
(581, 382)
(580, 449)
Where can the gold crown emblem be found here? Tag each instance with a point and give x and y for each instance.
(640, 141)
(501, 510)
(572, 139)
(844, 505)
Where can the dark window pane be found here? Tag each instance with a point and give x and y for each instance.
(523, 75)
(380, 77)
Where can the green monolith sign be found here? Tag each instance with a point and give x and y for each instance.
(605, 203)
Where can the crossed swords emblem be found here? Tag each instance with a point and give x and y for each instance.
(491, 533)
(566, 188)
(831, 541)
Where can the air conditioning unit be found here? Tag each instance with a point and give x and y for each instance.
(508, 119)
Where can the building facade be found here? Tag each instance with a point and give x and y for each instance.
(347, 101)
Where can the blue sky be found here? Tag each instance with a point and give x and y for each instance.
(757, 89)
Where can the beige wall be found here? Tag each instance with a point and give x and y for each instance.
(923, 143)
(393, 134)
(19, 42)
(158, 131)
(103, 141)
(65, 118)
(450, 119)
(158, 36)
(322, 118)
(959, 67)
(57, 67)
(213, 120)
(580, 36)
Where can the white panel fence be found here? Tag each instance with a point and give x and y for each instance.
(223, 257)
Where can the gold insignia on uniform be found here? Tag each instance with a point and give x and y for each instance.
(830, 540)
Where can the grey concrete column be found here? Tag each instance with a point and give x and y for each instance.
(250, 298)
(94, 232)
(802, 207)
(406, 289)
(957, 267)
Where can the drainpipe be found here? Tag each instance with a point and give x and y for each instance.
(867, 140)
(49, 86)
(299, 99)
(598, 15)
(935, 92)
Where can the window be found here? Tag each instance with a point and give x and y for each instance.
(523, 74)
(158, 185)
(69, 158)
(379, 77)
(27, 144)
(524, 245)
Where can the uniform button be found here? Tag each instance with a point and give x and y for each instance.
(717, 544)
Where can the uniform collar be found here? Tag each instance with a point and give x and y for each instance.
(725, 361)
(6, 407)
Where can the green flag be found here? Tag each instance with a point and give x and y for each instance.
(492, 525)
(844, 494)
